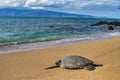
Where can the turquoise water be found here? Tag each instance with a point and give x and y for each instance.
(28, 30)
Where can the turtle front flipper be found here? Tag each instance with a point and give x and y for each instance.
(57, 64)
(51, 67)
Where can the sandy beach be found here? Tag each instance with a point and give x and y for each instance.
(29, 65)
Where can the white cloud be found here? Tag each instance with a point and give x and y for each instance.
(98, 2)
(12, 3)
(66, 4)
(45, 3)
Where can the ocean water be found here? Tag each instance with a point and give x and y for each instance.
(20, 30)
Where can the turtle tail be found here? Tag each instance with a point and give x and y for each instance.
(51, 67)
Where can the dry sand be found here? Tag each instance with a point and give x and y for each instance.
(29, 65)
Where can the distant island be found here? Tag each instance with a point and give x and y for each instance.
(14, 12)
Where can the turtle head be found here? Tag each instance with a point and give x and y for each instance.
(58, 63)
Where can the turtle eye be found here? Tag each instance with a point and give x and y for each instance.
(58, 62)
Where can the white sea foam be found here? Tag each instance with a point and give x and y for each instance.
(41, 45)
(73, 39)
(115, 34)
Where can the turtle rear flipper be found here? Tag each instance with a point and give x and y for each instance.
(51, 67)
(91, 67)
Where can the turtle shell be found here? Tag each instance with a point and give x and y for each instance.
(74, 62)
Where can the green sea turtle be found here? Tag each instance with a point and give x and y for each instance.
(75, 62)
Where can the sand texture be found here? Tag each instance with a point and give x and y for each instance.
(29, 65)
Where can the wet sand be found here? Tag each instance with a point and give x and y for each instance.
(29, 65)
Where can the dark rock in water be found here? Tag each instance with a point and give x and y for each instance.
(113, 23)
(51, 26)
(110, 28)
(99, 23)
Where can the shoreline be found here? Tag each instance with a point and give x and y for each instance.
(7, 49)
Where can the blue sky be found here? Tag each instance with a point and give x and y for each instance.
(101, 8)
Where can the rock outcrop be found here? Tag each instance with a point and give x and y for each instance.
(111, 25)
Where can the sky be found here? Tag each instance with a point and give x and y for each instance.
(100, 8)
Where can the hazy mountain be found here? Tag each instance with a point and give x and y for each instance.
(37, 13)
